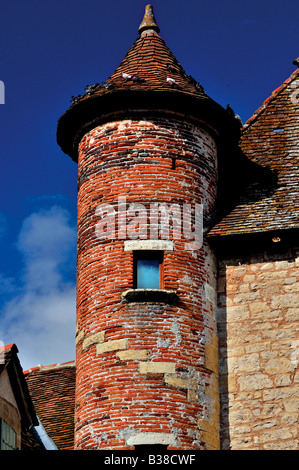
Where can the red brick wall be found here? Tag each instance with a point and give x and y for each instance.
(146, 372)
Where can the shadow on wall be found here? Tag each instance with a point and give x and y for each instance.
(242, 181)
(223, 358)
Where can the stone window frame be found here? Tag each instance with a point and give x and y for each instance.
(150, 295)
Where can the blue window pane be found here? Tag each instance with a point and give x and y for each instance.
(148, 274)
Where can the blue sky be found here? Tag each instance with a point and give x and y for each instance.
(239, 51)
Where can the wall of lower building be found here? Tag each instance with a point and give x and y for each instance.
(9, 411)
(258, 313)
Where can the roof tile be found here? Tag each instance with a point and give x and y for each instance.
(52, 389)
(269, 141)
(146, 66)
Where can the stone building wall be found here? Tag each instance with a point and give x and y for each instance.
(9, 411)
(258, 314)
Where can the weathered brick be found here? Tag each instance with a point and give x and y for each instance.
(148, 340)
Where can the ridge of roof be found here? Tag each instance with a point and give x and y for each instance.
(270, 98)
(58, 365)
(5, 348)
(7, 351)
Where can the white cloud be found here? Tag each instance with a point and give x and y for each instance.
(40, 318)
(46, 233)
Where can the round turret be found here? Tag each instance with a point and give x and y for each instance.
(146, 142)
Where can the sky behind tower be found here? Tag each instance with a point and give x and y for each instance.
(239, 51)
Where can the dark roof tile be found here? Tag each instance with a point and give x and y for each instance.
(269, 141)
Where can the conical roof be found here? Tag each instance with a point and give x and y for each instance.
(150, 65)
(148, 78)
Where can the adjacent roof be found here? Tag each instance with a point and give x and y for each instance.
(53, 393)
(9, 361)
(269, 196)
(149, 78)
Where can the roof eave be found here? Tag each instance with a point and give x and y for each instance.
(96, 109)
(242, 243)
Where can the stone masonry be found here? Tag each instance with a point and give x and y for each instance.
(258, 314)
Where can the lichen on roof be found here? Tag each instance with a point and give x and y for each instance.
(148, 78)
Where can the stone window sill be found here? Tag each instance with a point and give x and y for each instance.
(150, 295)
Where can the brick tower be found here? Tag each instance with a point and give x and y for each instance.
(148, 142)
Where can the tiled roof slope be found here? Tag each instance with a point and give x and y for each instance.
(7, 351)
(52, 389)
(270, 141)
(31, 441)
(150, 65)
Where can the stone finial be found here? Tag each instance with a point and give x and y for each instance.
(148, 21)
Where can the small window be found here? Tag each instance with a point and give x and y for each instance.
(148, 270)
(7, 437)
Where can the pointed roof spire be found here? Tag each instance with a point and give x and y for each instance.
(149, 77)
(148, 21)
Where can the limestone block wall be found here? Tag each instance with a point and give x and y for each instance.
(258, 318)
